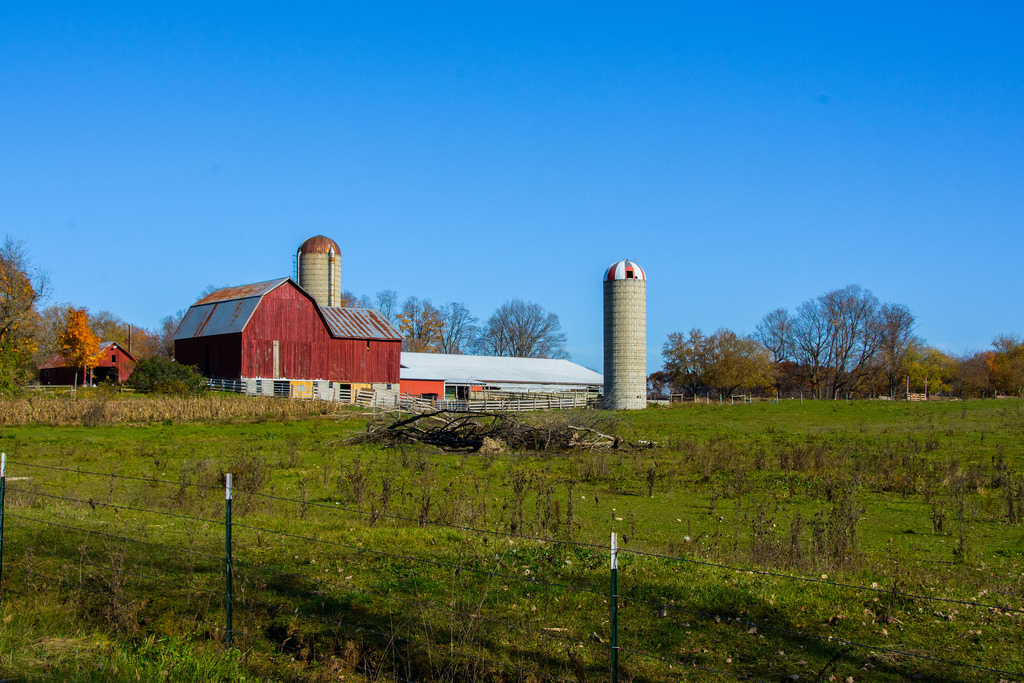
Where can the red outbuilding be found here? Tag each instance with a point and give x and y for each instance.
(276, 330)
(113, 364)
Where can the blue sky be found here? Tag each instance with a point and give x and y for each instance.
(748, 156)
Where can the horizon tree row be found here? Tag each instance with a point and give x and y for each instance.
(842, 343)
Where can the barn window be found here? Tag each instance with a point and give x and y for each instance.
(113, 358)
(367, 344)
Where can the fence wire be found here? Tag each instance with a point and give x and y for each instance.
(30, 544)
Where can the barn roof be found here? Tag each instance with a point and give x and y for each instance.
(258, 289)
(217, 317)
(358, 323)
(228, 310)
(460, 369)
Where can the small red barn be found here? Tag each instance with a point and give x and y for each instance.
(114, 364)
(276, 330)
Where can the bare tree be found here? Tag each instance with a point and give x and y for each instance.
(856, 336)
(523, 330)
(897, 327)
(459, 328)
(387, 304)
(810, 344)
(168, 328)
(775, 333)
(836, 339)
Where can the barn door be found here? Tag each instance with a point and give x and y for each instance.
(277, 359)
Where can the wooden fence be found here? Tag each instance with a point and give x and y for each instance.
(390, 400)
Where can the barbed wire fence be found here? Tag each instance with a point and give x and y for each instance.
(320, 583)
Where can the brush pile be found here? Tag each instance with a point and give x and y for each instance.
(493, 432)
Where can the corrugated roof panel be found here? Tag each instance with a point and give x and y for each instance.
(358, 323)
(227, 317)
(257, 289)
(496, 370)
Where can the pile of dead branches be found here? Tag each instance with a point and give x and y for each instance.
(492, 432)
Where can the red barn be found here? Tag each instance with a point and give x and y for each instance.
(275, 330)
(114, 364)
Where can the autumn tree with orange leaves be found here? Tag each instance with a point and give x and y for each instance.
(78, 344)
(22, 287)
(1007, 364)
(421, 325)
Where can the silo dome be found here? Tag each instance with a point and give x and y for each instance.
(319, 245)
(625, 270)
(318, 269)
(625, 336)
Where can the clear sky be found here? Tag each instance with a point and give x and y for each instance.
(747, 155)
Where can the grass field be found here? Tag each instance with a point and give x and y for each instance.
(825, 540)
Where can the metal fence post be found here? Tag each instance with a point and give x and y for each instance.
(227, 555)
(3, 485)
(615, 608)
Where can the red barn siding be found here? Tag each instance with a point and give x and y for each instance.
(116, 357)
(216, 356)
(291, 319)
(419, 387)
(362, 360)
(305, 348)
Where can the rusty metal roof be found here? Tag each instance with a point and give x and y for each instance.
(319, 245)
(358, 323)
(257, 289)
(56, 361)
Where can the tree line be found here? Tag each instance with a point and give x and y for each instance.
(32, 334)
(517, 328)
(844, 343)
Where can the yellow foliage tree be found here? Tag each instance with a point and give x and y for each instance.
(930, 369)
(78, 344)
(1007, 364)
(21, 287)
(421, 326)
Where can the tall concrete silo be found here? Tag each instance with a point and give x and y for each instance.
(318, 268)
(625, 337)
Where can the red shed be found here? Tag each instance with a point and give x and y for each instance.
(276, 330)
(114, 364)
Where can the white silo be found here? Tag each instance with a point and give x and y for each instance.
(318, 269)
(625, 337)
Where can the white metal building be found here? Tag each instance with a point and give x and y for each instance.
(458, 376)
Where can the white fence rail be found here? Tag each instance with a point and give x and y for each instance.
(392, 400)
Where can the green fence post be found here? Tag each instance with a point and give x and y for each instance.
(3, 485)
(615, 608)
(227, 556)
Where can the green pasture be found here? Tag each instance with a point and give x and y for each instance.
(352, 560)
